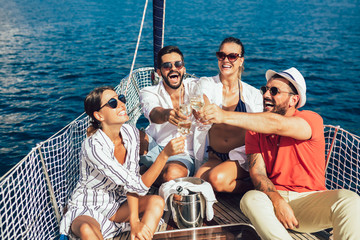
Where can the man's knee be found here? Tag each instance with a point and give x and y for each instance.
(251, 198)
(174, 170)
(347, 199)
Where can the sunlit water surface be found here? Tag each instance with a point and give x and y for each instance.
(52, 53)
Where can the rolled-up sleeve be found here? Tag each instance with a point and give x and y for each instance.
(252, 142)
(149, 101)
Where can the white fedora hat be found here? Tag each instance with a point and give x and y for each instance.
(294, 76)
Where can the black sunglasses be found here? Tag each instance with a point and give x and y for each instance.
(273, 91)
(113, 102)
(168, 65)
(231, 56)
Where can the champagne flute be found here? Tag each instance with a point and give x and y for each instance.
(184, 126)
(197, 103)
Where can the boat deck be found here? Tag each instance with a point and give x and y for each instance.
(226, 213)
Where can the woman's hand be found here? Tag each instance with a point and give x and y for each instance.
(140, 231)
(175, 146)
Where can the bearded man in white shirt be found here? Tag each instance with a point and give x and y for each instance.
(160, 104)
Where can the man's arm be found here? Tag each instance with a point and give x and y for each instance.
(265, 122)
(151, 106)
(283, 211)
(161, 115)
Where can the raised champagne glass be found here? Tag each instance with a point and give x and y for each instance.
(184, 126)
(197, 102)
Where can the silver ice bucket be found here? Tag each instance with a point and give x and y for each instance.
(188, 210)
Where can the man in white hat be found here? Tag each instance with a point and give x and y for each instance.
(286, 152)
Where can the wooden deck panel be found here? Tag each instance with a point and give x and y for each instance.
(226, 211)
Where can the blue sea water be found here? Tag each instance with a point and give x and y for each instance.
(52, 53)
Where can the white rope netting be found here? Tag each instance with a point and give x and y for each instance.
(33, 195)
(27, 209)
(343, 165)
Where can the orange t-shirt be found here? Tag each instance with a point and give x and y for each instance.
(293, 165)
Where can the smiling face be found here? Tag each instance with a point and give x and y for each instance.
(108, 115)
(173, 77)
(227, 68)
(283, 100)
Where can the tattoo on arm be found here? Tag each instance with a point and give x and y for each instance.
(257, 170)
(251, 160)
(264, 185)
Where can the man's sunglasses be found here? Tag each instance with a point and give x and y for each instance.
(113, 102)
(273, 91)
(231, 56)
(168, 65)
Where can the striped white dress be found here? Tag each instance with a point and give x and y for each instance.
(104, 182)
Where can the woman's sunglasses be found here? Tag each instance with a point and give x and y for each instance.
(168, 65)
(273, 91)
(231, 56)
(113, 102)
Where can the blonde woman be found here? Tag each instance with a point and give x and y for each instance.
(226, 166)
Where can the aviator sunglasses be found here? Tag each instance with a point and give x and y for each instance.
(273, 91)
(168, 65)
(231, 56)
(113, 102)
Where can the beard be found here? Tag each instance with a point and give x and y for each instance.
(166, 79)
(278, 108)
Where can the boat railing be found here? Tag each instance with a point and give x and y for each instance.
(34, 193)
(342, 150)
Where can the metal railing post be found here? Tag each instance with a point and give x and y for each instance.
(50, 188)
(331, 146)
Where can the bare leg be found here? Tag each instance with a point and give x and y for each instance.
(86, 227)
(224, 176)
(172, 170)
(229, 177)
(152, 207)
(205, 169)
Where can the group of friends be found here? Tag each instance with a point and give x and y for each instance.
(256, 142)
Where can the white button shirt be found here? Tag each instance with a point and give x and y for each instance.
(157, 96)
(212, 88)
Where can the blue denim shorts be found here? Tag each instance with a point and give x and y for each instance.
(154, 150)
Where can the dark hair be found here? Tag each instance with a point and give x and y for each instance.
(92, 103)
(166, 50)
(234, 40)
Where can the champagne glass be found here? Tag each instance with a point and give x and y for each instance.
(197, 103)
(184, 126)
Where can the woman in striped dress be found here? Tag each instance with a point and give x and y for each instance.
(111, 192)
